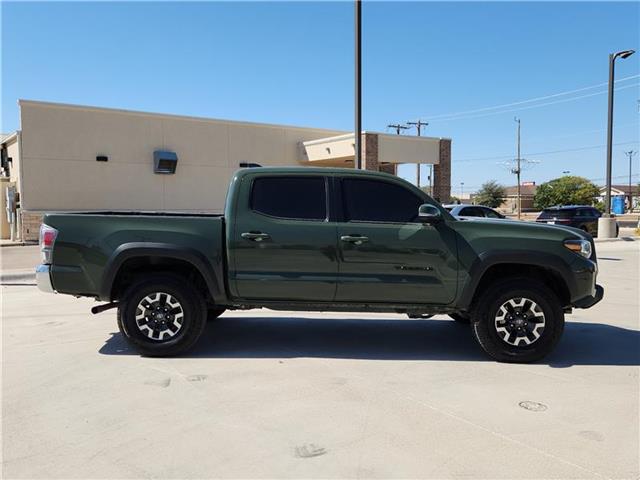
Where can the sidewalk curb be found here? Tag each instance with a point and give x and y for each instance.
(18, 244)
(18, 276)
(619, 239)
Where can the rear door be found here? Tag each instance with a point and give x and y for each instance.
(386, 254)
(283, 246)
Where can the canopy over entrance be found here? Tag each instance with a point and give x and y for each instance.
(339, 151)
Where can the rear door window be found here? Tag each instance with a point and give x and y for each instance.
(490, 213)
(555, 213)
(471, 212)
(294, 197)
(378, 201)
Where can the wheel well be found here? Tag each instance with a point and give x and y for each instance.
(501, 271)
(136, 268)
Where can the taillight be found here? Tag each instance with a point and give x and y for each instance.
(47, 239)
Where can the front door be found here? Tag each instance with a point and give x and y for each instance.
(282, 246)
(386, 255)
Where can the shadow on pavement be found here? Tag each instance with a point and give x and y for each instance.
(397, 339)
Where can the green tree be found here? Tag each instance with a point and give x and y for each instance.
(491, 194)
(566, 190)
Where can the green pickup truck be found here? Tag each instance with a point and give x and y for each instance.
(326, 240)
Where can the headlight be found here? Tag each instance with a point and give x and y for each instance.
(582, 247)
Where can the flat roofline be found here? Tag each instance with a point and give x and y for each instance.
(347, 136)
(167, 115)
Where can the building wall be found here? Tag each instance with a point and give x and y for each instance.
(60, 144)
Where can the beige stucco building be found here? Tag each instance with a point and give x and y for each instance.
(68, 157)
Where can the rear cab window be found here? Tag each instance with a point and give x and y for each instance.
(294, 197)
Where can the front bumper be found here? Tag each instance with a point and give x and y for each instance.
(43, 278)
(590, 300)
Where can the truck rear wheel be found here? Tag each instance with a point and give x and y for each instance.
(518, 320)
(162, 316)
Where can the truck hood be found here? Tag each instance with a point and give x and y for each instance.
(529, 228)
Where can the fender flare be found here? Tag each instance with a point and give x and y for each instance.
(127, 251)
(486, 260)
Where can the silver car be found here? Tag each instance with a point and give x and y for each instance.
(461, 210)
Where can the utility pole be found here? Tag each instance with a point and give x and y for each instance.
(419, 124)
(518, 170)
(398, 127)
(358, 84)
(630, 153)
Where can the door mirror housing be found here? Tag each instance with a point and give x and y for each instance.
(427, 213)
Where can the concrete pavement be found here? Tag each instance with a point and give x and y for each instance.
(316, 395)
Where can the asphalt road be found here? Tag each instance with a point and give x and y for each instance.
(292, 395)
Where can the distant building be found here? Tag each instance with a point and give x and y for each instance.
(527, 193)
(631, 196)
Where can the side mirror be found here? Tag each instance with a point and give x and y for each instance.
(428, 213)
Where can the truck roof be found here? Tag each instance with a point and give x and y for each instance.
(321, 170)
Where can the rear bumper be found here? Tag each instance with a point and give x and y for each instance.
(590, 300)
(43, 278)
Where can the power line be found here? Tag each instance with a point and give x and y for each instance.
(546, 97)
(508, 157)
(529, 107)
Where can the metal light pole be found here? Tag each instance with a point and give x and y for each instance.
(461, 190)
(518, 171)
(358, 84)
(606, 224)
(630, 154)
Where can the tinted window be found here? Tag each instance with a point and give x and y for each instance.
(375, 201)
(556, 213)
(471, 212)
(490, 213)
(290, 197)
(584, 212)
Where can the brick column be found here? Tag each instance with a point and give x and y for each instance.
(442, 173)
(370, 151)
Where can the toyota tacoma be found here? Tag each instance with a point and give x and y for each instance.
(322, 239)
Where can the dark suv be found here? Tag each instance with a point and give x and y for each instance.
(583, 217)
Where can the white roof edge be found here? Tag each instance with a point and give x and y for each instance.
(337, 138)
(165, 115)
(10, 137)
(413, 137)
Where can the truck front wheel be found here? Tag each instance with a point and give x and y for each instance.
(162, 316)
(518, 320)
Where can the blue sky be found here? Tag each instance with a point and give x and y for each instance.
(292, 63)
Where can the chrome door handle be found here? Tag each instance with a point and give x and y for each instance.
(355, 239)
(255, 236)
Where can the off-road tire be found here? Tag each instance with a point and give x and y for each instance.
(460, 318)
(486, 309)
(193, 321)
